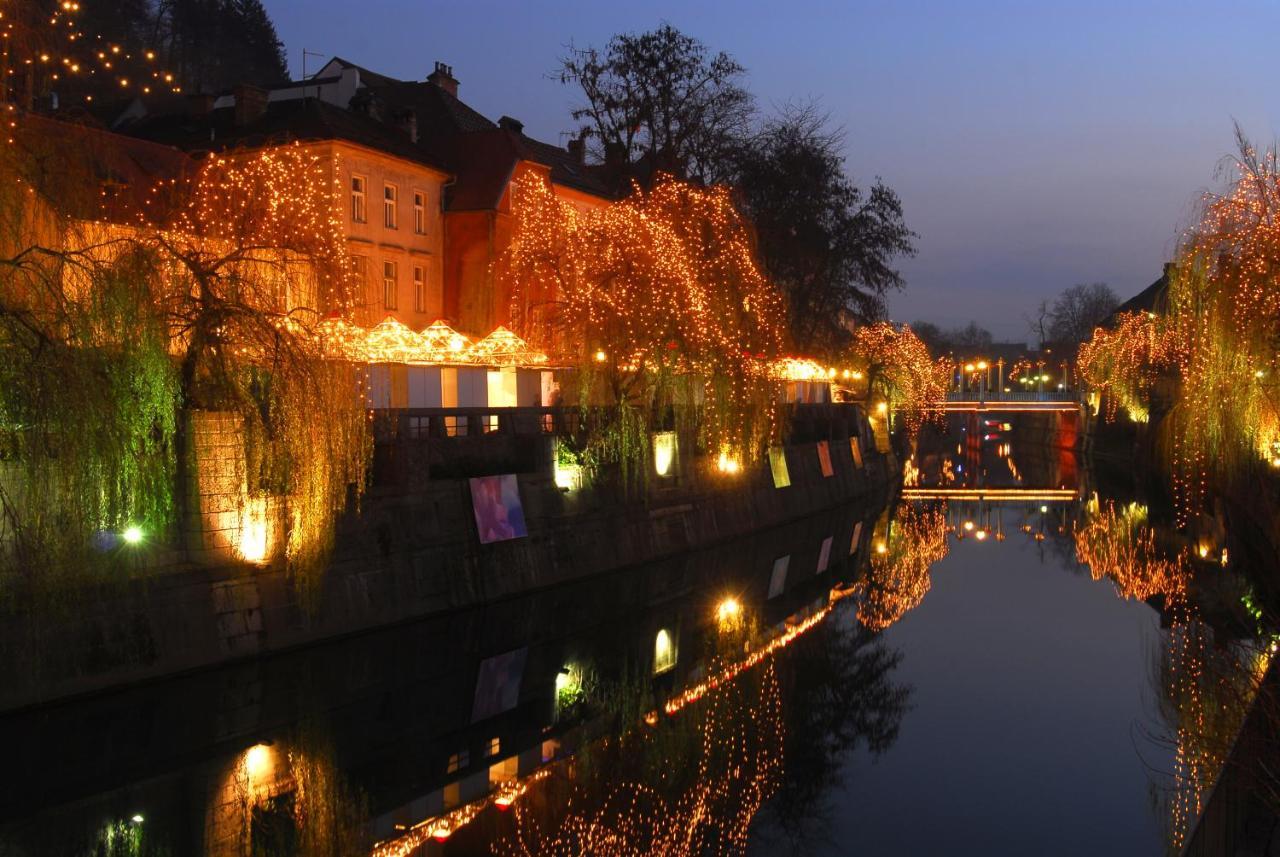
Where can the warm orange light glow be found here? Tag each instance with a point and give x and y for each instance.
(728, 611)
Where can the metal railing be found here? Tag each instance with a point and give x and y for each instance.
(1013, 396)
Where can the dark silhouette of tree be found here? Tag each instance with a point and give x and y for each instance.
(661, 101)
(839, 694)
(931, 335)
(1078, 310)
(941, 341)
(828, 244)
(213, 44)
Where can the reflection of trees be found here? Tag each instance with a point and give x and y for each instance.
(899, 575)
(287, 798)
(1207, 689)
(1119, 544)
(689, 785)
(839, 694)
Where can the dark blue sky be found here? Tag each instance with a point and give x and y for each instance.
(1035, 145)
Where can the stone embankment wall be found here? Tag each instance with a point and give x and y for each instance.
(412, 551)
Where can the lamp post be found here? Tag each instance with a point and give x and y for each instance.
(984, 380)
(1000, 378)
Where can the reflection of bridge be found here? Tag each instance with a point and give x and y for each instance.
(975, 400)
(1029, 495)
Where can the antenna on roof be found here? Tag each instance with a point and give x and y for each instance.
(306, 53)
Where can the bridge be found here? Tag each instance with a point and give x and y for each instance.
(974, 401)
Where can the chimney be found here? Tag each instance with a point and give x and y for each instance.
(443, 78)
(366, 103)
(515, 126)
(199, 104)
(407, 121)
(577, 147)
(251, 103)
(615, 154)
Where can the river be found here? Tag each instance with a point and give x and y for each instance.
(1008, 659)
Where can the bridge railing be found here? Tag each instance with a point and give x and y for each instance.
(1013, 396)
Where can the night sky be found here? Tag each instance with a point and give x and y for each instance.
(1033, 147)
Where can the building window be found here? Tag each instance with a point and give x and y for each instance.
(420, 288)
(389, 196)
(458, 761)
(388, 285)
(360, 270)
(419, 212)
(359, 185)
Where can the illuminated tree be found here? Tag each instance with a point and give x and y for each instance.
(115, 335)
(655, 300)
(1122, 362)
(900, 372)
(1218, 334)
(253, 254)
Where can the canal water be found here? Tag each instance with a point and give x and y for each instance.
(1006, 659)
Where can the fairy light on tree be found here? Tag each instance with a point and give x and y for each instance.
(898, 578)
(664, 287)
(1216, 336)
(900, 372)
(208, 301)
(254, 252)
(1122, 363)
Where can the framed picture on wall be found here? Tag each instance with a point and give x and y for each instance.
(496, 502)
(824, 458)
(498, 684)
(778, 467)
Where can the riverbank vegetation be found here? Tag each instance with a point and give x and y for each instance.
(1215, 340)
(201, 295)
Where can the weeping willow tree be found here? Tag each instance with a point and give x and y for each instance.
(1122, 363)
(87, 386)
(900, 372)
(655, 300)
(126, 311)
(253, 254)
(1218, 336)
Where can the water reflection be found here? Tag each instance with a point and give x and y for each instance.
(714, 702)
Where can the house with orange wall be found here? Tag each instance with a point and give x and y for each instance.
(407, 154)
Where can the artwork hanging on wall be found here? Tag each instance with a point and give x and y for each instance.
(496, 502)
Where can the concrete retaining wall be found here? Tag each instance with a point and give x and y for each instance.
(410, 553)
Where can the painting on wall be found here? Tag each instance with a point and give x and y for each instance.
(778, 580)
(498, 684)
(824, 555)
(824, 458)
(496, 502)
(778, 467)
